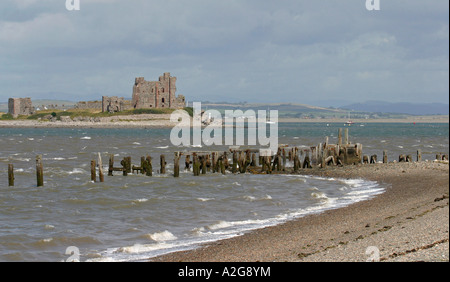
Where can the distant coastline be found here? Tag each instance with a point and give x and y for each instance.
(163, 120)
(411, 119)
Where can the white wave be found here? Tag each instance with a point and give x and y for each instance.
(141, 248)
(252, 198)
(219, 225)
(162, 236)
(249, 198)
(136, 143)
(354, 182)
(319, 195)
(226, 224)
(162, 147)
(22, 159)
(86, 138)
(204, 199)
(59, 159)
(143, 200)
(46, 240)
(54, 159)
(77, 171)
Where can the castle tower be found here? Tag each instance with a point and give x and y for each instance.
(156, 94)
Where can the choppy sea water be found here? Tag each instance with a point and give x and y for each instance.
(136, 217)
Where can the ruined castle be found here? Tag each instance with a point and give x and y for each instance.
(157, 94)
(146, 95)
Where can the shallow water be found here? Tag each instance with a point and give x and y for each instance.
(136, 217)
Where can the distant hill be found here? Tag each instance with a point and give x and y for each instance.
(403, 108)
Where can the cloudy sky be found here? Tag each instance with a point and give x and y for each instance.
(325, 52)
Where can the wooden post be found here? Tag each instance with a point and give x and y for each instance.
(284, 159)
(203, 164)
(142, 165)
(222, 165)
(111, 165)
(306, 162)
(196, 166)
(262, 161)
(385, 158)
(296, 162)
(128, 164)
(100, 169)
(329, 160)
(408, 158)
(213, 162)
(93, 173)
(124, 166)
(187, 162)
(419, 155)
(39, 171)
(148, 166)
(253, 163)
(176, 165)
(365, 159)
(268, 164)
(208, 162)
(340, 137)
(163, 164)
(235, 162)
(346, 141)
(10, 174)
(225, 160)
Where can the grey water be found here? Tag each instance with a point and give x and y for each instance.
(134, 217)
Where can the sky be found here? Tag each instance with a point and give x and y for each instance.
(327, 52)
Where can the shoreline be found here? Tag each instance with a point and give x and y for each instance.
(163, 121)
(408, 222)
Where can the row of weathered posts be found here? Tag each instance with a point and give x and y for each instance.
(243, 160)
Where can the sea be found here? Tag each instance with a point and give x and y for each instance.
(136, 217)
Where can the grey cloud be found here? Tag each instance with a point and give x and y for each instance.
(236, 50)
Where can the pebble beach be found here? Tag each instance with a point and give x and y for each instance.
(409, 222)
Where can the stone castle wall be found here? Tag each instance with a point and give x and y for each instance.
(20, 106)
(157, 94)
(89, 105)
(146, 95)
